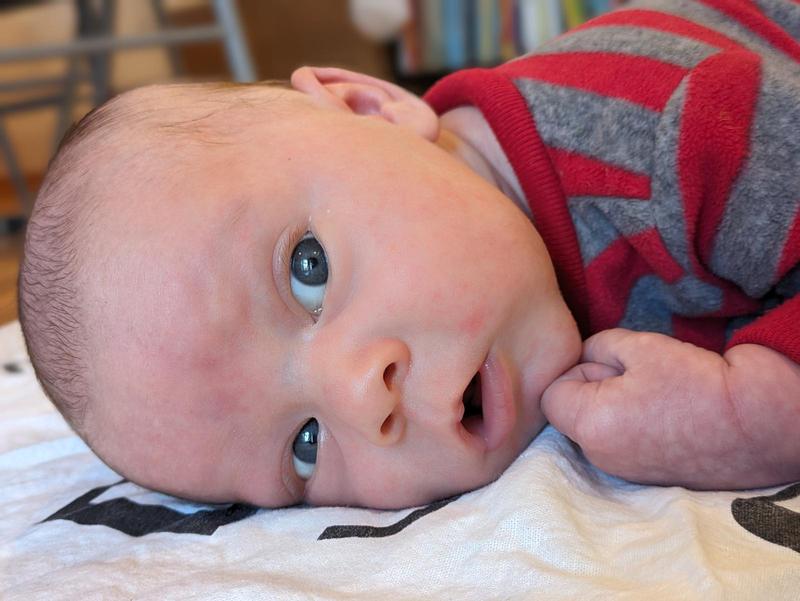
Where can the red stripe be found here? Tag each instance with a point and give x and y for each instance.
(714, 140)
(610, 277)
(639, 79)
(584, 176)
(779, 329)
(751, 17)
(791, 248)
(650, 245)
(507, 113)
(666, 23)
(735, 302)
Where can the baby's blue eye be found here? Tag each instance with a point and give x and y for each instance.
(309, 274)
(304, 449)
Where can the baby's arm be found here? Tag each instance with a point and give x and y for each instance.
(652, 409)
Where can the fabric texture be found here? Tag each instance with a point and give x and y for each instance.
(658, 150)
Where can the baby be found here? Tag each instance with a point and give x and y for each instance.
(340, 293)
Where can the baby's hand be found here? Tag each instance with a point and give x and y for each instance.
(652, 409)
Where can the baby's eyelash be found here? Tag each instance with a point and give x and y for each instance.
(282, 261)
(293, 485)
(291, 240)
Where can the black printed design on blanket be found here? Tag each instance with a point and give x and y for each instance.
(136, 519)
(11, 367)
(766, 519)
(379, 531)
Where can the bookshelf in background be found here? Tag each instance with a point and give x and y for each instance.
(446, 35)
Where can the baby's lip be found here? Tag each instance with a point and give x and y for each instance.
(498, 412)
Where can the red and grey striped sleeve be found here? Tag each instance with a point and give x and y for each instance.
(740, 176)
(658, 149)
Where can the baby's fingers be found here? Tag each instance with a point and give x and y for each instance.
(568, 402)
(623, 348)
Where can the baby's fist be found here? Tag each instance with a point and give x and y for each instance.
(647, 407)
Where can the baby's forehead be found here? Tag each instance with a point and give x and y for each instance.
(156, 133)
(207, 104)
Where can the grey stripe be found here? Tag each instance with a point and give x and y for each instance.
(766, 196)
(608, 129)
(713, 19)
(784, 13)
(638, 41)
(653, 302)
(595, 232)
(691, 297)
(666, 200)
(627, 216)
(646, 310)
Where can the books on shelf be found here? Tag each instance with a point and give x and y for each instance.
(445, 35)
(538, 21)
(486, 28)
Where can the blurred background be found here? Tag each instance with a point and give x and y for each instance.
(59, 58)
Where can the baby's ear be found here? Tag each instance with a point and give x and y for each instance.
(361, 94)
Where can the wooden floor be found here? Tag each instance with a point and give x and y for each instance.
(10, 252)
(10, 246)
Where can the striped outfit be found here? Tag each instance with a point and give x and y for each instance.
(658, 148)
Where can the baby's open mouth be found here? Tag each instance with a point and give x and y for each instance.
(473, 412)
(489, 411)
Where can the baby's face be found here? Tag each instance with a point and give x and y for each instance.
(229, 366)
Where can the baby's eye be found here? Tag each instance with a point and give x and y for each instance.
(304, 449)
(309, 273)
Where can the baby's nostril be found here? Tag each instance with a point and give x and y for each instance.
(388, 423)
(388, 375)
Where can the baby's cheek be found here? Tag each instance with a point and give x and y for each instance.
(473, 323)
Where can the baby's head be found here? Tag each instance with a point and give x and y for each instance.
(274, 295)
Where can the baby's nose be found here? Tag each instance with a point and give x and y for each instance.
(365, 388)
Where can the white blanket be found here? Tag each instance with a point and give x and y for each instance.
(552, 527)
